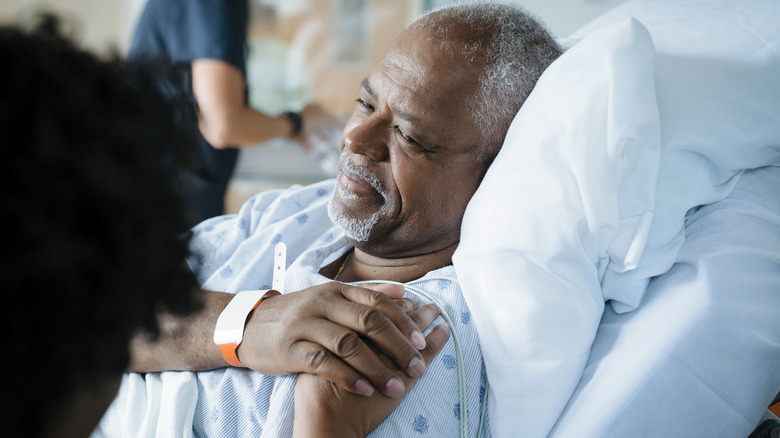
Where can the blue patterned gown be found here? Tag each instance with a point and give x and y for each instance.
(234, 253)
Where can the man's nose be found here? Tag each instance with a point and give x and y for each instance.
(367, 137)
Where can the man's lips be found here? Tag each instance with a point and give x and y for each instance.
(355, 184)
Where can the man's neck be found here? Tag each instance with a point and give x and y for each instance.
(362, 266)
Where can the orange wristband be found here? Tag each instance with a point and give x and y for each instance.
(229, 331)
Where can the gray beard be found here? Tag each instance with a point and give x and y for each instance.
(357, 230)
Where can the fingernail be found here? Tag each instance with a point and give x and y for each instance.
(395, 388)
(415, 301)
(418, 340)
(445, 326)
(417, 367)
(364, 388)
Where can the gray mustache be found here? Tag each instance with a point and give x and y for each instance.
(363, 173)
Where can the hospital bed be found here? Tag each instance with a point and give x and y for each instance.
(621, 258)
(639, 189)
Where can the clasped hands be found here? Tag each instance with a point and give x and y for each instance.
(359, 351)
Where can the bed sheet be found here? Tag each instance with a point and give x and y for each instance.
(701, 357)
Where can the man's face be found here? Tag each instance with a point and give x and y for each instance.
(408, 162)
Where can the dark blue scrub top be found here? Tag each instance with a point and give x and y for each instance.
(178, 32)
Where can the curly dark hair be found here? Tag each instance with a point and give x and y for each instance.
(97, 229)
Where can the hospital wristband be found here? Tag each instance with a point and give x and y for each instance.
(229, 331)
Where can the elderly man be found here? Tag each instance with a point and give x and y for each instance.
(429, 119)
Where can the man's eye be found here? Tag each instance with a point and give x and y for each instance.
(405, 137)
(409, 140)
(365, 104)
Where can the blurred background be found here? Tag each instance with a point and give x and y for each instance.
(300, 51)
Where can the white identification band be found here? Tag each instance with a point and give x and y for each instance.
(229, 331)
(280, 261)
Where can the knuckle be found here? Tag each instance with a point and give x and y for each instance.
(347, 344)
(416, 318)
(316, 358)
(376, 298)
(411, 303)
(371, 318)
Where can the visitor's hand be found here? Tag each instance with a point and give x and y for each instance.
(317, 122)
(324, 409)
(336, 331)
(321, 136)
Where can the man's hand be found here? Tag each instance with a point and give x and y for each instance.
(324, 409)
(324, 330)
(337, 331)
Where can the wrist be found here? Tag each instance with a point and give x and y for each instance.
(319, 421)
(296, 121)
(229, 330)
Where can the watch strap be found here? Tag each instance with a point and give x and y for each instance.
(296, 120)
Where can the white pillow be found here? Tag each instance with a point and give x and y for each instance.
(569, 197)
(717, 80)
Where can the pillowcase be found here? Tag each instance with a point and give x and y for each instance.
(569, 197)
(718, 93)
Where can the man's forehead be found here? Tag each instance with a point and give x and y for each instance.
(427, 81)
(423, 53)
(399, 112)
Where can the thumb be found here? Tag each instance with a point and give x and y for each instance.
(394, 291)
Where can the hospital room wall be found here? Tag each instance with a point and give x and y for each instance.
(109, 22)
(562, 16)
(98, 24)
(300, 50)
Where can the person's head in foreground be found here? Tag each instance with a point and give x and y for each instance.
(430, 118)
(94, 227)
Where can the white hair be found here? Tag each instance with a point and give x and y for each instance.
(511, 46)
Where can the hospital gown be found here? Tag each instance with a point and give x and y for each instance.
(235, 252)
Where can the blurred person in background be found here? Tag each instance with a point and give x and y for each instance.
(203, 44)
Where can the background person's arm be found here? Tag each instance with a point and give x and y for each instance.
(330, 330)
(226, 121)
(223, 116)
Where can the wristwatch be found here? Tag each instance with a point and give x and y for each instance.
(296, 121)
